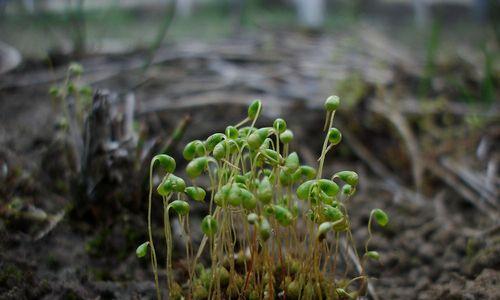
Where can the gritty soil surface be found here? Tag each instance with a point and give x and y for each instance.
(438, 246)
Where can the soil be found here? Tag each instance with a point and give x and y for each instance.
(438, 247)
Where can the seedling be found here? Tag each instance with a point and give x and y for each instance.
(73, 97)
(275, 226)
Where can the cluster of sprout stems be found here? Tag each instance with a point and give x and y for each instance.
(73, 97)
(275, 225)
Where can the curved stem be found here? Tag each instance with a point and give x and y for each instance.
(169, 244)
(369, 232)
(154, 261)
(362, 277)
(256, 116)
(324, 149)
(242, 122)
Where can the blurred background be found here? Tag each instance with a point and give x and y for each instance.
(90, 90)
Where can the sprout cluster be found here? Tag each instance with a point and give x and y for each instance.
(73, 97)
(275, 225)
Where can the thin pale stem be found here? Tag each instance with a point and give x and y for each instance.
(154, 261)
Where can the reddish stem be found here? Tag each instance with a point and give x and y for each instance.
(254, 242)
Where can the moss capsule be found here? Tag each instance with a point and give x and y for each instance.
(292, 162)
(348, 190)
(279, 125)
(196, 166)
(332, 103)
(286, 136)
(209, 225)
(323, 229)
(196, 193)
(256, 138)
(231, 132)
(342, 293)
(380, 216)
(222, 195)
(224, 276)
(268, 210)
(304, 190)
(372, 255)
(166, 162)
(334, 136)
(274, 157)
(265, 191)
(178, 184)
(221, 150)
(180, 207)
(142, 250)
(308, 172)
(282, 215)
(293, 290)
(54, 91)
(285, 178)
(254, 141)
(71, 88)
(349, 177)
(190, 150)
(213, 140)
(163, 189)
(240, 179)
(252, 218)
(234, 197)
(86, 91)
(248, 200)
(200, 149)
(75, 69)
(329, 187)
(332, 214)
(171, 184)
(254, 109)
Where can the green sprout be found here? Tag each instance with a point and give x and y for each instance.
(274, 226)
(73, 97)
(382, 219)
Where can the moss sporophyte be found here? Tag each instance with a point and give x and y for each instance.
(275, 227)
